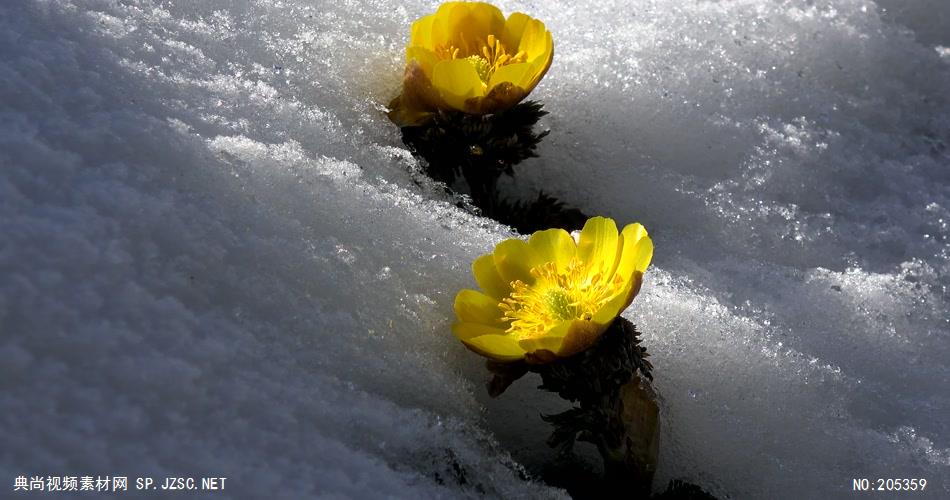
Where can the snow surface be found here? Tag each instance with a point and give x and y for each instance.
(218, 259)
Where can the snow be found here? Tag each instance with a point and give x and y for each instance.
(218, 259)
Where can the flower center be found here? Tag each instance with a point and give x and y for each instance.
(491, 56)
(555, 297)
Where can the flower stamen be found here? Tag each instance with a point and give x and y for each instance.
(555, 297)
(493, 55)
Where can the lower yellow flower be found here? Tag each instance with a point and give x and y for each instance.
(552, 297)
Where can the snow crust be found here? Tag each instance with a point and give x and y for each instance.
(218, 259)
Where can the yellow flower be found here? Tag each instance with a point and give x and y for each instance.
(467, 57)
(552, 297)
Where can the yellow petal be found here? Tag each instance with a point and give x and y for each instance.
(636, 250)
(553, 245)
(457, 82)
(535, 40)
(542, 62)
(466, 25)
(530, 35)
(466, 331)
(514, 28)
(615, 306)
(597, 248)
(497, 347)
(518, 74)
(550, 341)
(550, 344)
(643, 254)
(487, 277)
(421, 35)
(424, 57)
(514, 260)
(476, 307)
(440, 35)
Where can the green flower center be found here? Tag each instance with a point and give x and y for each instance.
(482, 67)
(560, 303)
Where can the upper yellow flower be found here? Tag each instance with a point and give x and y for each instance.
(467, 57)
(552, 297)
